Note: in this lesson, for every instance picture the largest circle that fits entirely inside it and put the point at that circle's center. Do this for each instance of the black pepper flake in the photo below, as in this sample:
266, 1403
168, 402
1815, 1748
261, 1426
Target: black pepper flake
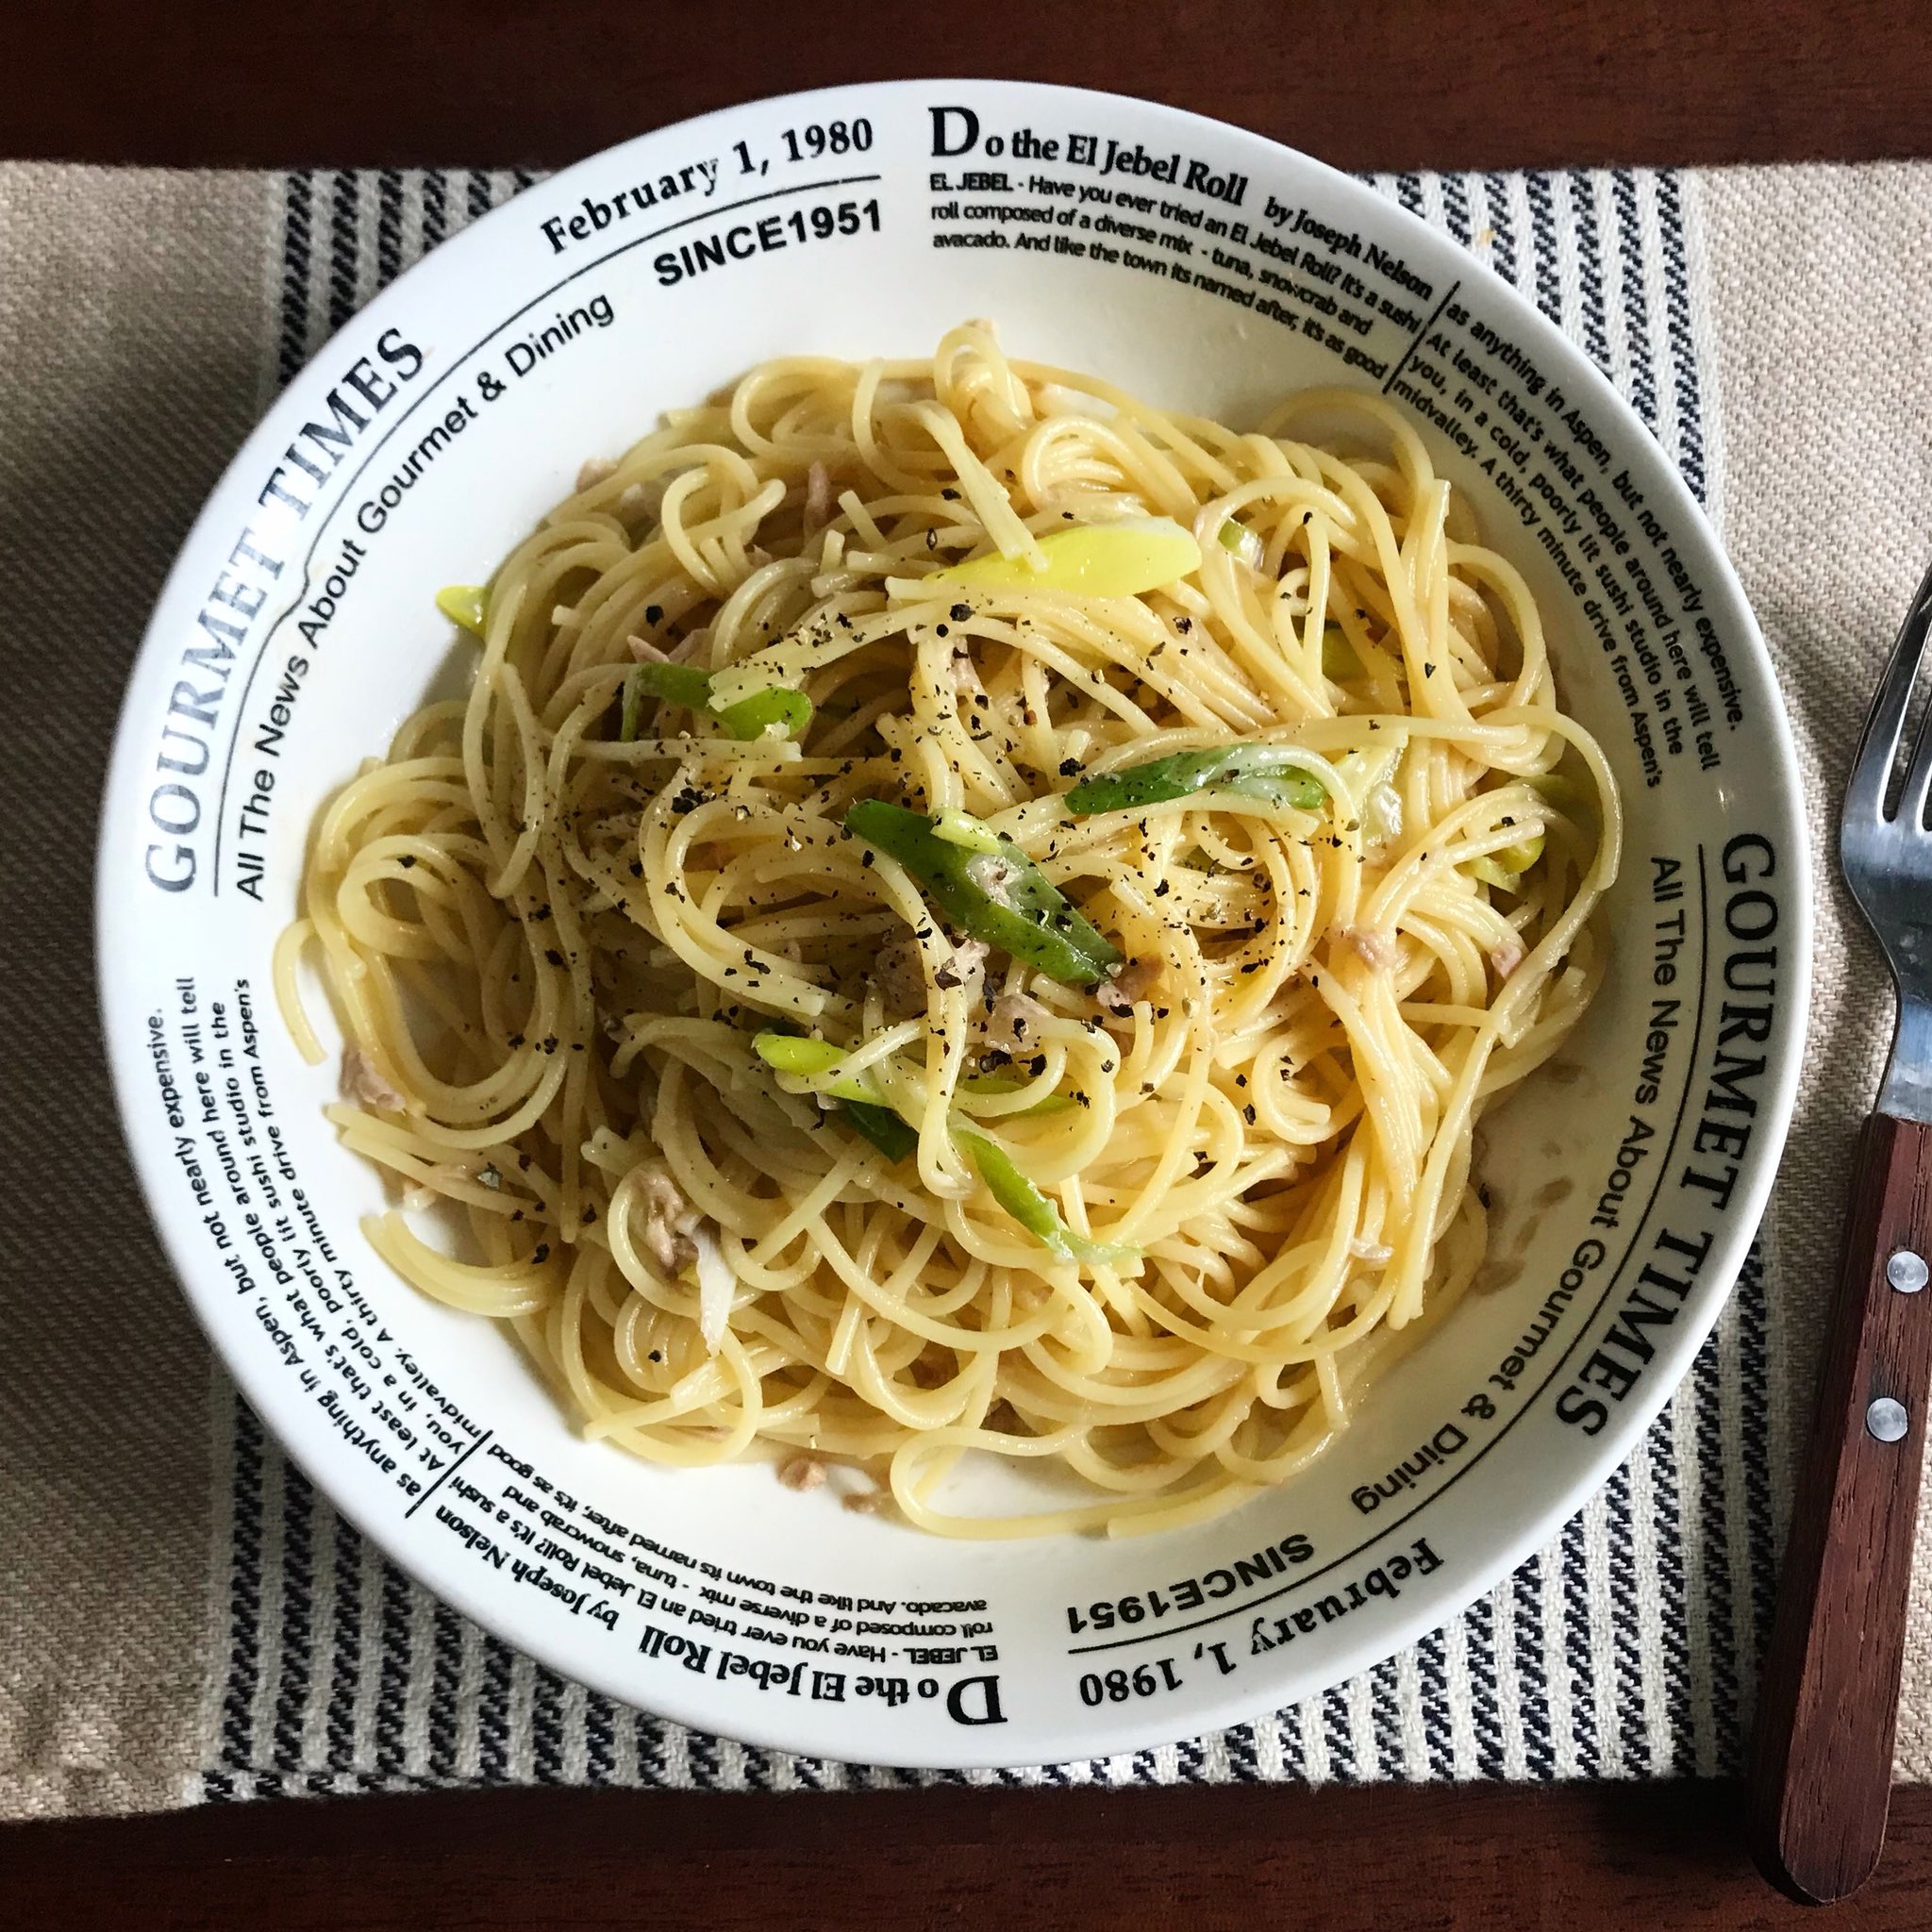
961, 612
950, 495
1429, 670
551, 954
406, 860
637, 867
656, 1355
1069, 766
541, 1252
1252, 966
1248, 1113
1161, 891
1038, 1065
516, 1039
1184, 625
940, 630
654, 613
549, 1042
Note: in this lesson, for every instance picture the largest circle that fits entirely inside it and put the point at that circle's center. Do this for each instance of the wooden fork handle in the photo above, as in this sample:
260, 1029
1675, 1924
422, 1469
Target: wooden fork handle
1820, 1772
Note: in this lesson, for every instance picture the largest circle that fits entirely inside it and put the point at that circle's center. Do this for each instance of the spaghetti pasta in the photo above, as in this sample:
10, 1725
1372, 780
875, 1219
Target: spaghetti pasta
966, 913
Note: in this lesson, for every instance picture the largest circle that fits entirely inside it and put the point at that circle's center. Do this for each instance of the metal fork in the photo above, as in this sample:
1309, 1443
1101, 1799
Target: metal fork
1820, 1773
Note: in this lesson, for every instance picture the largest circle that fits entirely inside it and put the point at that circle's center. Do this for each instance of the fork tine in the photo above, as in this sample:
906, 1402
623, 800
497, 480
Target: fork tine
1878, 746
1911, 801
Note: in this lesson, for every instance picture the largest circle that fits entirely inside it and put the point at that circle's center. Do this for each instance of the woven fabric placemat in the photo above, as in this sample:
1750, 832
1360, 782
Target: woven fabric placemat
182, 1617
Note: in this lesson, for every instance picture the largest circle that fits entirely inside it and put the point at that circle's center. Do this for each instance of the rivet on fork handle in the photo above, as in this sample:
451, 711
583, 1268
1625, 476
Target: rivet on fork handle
1887, 1420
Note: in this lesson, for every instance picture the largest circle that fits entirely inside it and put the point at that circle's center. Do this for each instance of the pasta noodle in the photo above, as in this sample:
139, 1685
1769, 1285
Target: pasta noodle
1108, 1105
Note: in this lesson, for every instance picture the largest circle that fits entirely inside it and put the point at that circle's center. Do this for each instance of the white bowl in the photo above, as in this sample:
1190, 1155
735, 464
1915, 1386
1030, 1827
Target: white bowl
291, 640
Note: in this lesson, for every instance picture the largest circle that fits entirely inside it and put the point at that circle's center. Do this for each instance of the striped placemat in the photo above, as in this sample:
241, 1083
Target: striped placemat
195, 1621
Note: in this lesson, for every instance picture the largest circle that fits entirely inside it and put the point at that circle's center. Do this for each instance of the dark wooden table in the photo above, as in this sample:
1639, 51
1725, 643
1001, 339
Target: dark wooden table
1450, 83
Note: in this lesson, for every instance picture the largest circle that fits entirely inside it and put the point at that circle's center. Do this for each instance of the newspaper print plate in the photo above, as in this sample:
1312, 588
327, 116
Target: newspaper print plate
1193, 262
